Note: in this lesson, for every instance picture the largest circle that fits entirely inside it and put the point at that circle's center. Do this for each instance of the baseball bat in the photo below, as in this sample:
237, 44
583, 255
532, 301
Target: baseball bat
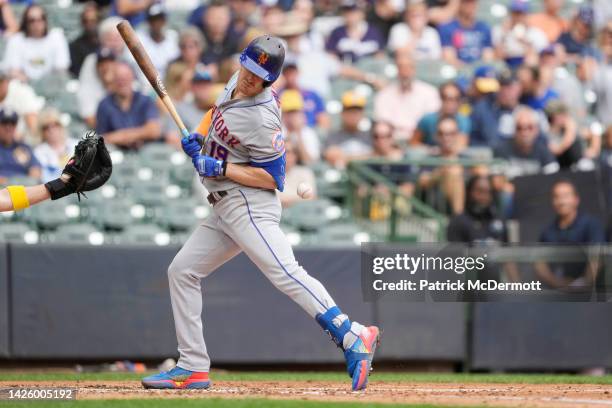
148, 69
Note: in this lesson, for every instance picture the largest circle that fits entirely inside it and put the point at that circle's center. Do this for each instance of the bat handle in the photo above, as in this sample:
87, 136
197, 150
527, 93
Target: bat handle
184, 132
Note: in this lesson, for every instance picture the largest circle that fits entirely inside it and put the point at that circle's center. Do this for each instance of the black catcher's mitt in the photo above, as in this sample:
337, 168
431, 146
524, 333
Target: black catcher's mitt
88, 169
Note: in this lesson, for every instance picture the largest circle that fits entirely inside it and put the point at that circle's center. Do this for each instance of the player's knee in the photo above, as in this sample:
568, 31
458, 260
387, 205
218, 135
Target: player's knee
177, 271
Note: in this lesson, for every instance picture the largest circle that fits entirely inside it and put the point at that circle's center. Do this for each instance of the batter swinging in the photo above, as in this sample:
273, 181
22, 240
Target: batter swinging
241, 164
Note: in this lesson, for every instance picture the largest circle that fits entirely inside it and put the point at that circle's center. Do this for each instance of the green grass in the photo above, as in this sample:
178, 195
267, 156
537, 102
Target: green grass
209, 403
328, 376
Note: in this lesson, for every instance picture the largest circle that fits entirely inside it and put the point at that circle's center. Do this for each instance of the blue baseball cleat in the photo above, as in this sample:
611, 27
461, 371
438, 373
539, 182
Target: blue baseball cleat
359, 356
177, 378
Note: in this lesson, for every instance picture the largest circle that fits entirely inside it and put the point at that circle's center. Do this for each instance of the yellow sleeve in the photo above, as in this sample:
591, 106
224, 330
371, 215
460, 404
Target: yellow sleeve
205, 123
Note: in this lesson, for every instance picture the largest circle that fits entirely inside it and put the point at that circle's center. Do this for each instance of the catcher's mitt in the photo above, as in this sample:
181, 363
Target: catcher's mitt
88, 169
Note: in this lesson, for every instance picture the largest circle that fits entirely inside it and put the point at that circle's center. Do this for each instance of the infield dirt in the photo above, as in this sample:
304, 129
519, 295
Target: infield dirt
472, 394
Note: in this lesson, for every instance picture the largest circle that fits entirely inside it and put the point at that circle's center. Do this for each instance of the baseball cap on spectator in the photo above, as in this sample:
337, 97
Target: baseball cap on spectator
353, 100
201, 75
8, 116
507, 77
290, 63
291, 100
105, 54
519, 6
350, 5
485, 79
156, 10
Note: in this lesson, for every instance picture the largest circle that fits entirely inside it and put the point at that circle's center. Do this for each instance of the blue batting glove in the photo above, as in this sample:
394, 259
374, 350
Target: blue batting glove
207, 166
192, 144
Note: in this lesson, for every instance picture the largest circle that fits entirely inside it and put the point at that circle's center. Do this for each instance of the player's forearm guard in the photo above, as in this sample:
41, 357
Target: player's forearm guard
19, 197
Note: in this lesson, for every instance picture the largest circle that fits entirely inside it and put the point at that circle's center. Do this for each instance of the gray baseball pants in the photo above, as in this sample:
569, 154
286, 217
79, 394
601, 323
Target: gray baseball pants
247, 219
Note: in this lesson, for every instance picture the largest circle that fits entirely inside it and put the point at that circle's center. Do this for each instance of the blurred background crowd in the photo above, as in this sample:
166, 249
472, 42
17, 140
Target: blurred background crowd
472, 92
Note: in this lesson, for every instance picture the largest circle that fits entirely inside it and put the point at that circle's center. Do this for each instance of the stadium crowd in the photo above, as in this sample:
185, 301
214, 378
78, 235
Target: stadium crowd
534, 90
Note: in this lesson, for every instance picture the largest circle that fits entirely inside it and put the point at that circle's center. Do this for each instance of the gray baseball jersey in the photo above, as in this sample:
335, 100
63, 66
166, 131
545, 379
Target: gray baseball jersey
243, 131
246, 219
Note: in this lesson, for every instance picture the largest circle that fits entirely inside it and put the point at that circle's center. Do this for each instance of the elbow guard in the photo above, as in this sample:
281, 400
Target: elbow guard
276, 168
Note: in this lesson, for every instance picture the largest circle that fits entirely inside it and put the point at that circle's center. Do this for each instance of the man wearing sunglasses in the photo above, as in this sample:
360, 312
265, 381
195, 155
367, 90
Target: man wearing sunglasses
16, 158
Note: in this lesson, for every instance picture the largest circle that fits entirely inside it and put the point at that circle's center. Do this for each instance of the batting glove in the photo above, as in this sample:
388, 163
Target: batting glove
208, 166
192, 144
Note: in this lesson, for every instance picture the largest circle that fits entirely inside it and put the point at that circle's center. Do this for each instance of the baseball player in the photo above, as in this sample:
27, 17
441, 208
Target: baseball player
89, 168
242, 163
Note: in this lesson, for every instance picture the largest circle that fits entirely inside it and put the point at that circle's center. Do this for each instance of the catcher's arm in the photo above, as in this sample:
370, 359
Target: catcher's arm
14, 198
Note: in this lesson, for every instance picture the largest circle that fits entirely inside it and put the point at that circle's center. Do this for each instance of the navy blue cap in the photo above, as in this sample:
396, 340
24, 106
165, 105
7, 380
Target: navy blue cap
8, 116
156, 10
201, 75
586, 14
519, 6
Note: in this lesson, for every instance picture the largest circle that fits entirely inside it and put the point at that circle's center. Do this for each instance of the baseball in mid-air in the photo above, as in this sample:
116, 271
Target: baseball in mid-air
304, 190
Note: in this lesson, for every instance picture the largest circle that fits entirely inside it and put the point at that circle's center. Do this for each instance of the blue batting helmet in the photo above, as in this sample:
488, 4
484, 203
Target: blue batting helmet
264, 57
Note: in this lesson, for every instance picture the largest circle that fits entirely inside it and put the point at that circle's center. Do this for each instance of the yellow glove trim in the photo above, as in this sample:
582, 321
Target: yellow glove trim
18, 197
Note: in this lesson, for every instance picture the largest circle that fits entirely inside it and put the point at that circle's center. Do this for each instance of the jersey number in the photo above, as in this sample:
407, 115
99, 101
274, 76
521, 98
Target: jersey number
218, 152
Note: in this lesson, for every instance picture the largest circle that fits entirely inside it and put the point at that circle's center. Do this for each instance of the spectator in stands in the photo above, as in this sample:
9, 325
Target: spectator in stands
313, 39
383, 143
515, 40
127, 118
480, 221
295, 174
527, 153
191, 45
93, 89
404, 103
17, 96
483, 85
88, 42
426, 131
317, 69
36, 50
441, 12
221, 40
134, 11
570, 226
536, 91
16, 158
465, 39
356, 38
576, 41
550, 20
57, 147
493, 116
349, 142
314, 106
194, 105
570, 86
563, 139
160, 42
245, 14
446, 180
415, 34
305, 140
599, 77
8, 23
178, 81
383, 15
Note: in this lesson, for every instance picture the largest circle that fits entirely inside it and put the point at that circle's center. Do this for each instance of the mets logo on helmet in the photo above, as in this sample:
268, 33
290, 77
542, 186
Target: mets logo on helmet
262, 59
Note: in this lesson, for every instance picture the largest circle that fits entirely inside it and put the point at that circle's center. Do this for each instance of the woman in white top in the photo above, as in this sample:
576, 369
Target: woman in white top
56, 149
36, 50
415, 34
